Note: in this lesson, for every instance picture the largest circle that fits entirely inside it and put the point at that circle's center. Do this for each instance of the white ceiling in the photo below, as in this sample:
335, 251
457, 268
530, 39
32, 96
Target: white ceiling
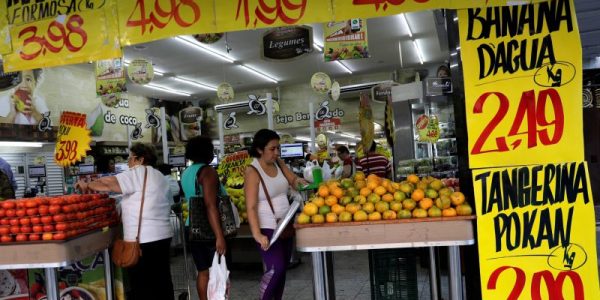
176, 58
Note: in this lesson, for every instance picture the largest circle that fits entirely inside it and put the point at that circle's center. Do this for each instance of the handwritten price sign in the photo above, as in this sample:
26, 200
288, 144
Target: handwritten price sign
73, 139
148, 20
75, 38
536, 233
523, 91
250, 14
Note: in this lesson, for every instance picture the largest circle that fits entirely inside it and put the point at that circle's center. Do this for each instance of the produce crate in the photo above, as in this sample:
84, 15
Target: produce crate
393, 274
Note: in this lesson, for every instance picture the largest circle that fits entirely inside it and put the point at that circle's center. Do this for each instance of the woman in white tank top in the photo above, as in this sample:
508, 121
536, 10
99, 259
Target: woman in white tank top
263, 221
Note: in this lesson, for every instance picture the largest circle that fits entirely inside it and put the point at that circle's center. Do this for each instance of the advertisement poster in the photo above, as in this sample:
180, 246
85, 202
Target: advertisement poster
428, 128
110, 77
73, 140
346, 40
536, 232
81, 280
184, 120
523, 84
140, 71
14, 285
190, 119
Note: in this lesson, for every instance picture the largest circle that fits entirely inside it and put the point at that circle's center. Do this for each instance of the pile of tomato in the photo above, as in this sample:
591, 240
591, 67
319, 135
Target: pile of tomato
55, 218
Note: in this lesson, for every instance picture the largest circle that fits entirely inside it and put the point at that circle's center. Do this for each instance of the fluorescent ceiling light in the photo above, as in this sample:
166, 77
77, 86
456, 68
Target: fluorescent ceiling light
168, 90
195, 83
405, 22
453, 66
204, 49
303, 138
418, 51
453, 53
259, 73
21, 144
455, 19
319, 47
343, 66
349, 136
329, 131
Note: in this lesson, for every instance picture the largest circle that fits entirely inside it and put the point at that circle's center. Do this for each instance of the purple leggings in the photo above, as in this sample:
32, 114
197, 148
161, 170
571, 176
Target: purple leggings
275, 261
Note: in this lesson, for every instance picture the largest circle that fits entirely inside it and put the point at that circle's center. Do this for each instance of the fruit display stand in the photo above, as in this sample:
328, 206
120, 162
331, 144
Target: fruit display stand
50, 255
318, 239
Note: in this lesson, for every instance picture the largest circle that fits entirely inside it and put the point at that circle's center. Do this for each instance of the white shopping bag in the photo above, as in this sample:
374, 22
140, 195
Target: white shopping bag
218, 279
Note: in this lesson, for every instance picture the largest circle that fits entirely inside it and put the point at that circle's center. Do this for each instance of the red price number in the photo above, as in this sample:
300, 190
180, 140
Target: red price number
533, 111
554, 285
67, 151
377, 3
71, 35
161, 16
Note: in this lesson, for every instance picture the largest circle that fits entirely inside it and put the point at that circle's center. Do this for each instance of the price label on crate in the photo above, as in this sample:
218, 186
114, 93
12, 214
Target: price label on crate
65, 39
73, 139
148, 20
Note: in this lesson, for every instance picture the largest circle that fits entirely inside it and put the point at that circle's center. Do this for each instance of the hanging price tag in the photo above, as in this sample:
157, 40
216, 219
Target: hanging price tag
142, 21
73, 139
66, 39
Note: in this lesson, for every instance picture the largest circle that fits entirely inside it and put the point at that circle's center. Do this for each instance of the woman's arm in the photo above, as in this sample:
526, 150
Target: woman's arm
103, 184
210, 187
251, 183
292, 179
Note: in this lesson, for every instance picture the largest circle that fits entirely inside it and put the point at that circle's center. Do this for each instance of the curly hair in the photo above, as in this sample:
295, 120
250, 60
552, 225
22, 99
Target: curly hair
200, 149
146, 151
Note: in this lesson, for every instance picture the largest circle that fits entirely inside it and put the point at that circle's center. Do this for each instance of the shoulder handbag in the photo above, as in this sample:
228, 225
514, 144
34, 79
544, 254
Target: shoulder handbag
200, 229
125, 253
289, 231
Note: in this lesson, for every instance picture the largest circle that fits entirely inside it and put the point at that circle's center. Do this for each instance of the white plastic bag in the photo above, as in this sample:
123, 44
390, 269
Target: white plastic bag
326, 171
218, 279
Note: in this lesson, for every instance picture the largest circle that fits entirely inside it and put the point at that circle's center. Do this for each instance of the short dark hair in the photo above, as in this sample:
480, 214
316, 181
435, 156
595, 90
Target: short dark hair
260, 141
343, 149
373, 147
200, 149
146, 151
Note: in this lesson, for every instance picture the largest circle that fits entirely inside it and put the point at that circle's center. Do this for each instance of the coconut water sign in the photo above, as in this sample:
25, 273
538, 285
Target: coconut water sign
323, 115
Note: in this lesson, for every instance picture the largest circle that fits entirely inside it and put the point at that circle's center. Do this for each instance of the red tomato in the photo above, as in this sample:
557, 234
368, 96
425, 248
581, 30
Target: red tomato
2, 212
34, 237
21, 238
56, 201
6, 239
31, 204
61, 226
72, 216
11, 213
8, 204
67, 208
24, 221
81, 206
25, 229
59, 236
72, 233
21, 212
4, 222
35, 220
15, 229
43, 210
48, 228
20, 204
54, 209
46, 219
13, 222
36, 228
4, 230
31, 211
59, 218
47, 236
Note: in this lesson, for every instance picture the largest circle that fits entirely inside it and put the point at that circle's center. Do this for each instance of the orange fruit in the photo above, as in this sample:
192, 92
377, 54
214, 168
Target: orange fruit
331, 218
359, 184
338, 192
457, 198
319, 201
359, 175
382, 206
365, 191
417, 195
426, 203
317, 219
380, 190
338, 209
360, 215
323, 191
373, 177
372, 184
310, 209
387, 197
412, 178
449, 212
352, 208
331, 200
375, 216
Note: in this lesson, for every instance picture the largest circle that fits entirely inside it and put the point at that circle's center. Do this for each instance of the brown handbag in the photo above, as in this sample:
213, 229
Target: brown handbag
126, 254
289, 231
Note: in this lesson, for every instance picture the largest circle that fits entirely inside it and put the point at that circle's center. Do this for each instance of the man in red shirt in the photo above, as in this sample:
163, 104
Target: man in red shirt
375, 163
348, 165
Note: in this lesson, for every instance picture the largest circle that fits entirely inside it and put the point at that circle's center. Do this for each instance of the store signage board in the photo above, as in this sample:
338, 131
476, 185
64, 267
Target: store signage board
73, 139
345, 40
522, 89
438, 86
251, 14
283, 43
66, 39
536, 232
177, 160
143, 21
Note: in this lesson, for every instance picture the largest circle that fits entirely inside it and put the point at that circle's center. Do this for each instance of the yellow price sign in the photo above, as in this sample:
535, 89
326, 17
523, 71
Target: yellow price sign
5, 46
73, 139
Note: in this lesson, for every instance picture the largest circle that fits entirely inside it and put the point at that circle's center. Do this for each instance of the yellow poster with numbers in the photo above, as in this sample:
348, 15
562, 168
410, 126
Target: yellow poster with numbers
536, 232
523, 85
143, 21
73, 139
251, 14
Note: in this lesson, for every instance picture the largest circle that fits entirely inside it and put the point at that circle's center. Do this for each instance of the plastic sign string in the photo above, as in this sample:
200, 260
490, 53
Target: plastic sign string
73, 139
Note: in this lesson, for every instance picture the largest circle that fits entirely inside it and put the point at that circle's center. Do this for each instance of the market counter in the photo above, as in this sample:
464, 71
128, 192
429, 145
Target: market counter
404, 233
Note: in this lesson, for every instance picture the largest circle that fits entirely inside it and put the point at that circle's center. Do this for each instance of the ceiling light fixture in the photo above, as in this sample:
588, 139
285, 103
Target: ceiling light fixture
259, 73
303, 138
21, 144
204, 49
168, 90
195, 83
455, 19
419, 53
317, 46
405, 22
349, 136
343, 66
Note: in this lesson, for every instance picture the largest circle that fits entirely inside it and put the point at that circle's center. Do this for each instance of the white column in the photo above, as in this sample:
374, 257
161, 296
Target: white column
311, 113
221, 136
270, 110
163, 129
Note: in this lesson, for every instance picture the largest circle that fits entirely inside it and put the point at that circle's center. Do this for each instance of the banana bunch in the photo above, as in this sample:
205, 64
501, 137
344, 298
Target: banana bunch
235, 180
185, 211
239, 200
